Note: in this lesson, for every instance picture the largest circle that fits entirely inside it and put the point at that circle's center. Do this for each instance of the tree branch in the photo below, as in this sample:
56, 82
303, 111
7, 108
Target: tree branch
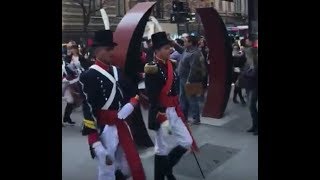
89, 8
81, 4
102, 3
78, 1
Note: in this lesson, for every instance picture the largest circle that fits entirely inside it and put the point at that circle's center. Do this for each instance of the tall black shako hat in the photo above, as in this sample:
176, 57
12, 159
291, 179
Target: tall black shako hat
159, 39
103, 38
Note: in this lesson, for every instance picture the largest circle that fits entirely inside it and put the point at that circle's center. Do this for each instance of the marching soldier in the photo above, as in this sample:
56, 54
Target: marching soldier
165, 115
107, 103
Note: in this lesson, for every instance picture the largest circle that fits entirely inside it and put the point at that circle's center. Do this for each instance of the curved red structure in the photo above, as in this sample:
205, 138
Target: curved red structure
128, 35
220, 68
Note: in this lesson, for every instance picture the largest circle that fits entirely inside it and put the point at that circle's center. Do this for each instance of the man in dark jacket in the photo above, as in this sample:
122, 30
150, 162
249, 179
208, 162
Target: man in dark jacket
239, 61
251, 75
189, 71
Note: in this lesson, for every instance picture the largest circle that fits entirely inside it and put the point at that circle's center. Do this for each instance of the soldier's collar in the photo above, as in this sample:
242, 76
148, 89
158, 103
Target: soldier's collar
160, 60
102, 65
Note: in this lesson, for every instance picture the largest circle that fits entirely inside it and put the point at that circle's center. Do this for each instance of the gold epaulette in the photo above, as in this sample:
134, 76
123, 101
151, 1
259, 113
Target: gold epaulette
150, 68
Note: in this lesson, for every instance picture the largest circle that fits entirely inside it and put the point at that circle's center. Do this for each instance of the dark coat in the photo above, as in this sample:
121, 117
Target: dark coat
238, 61
154, 84
96, 88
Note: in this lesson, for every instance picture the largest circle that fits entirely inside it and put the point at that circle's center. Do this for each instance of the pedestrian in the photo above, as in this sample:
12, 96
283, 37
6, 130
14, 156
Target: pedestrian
165, 115
205, 52
70, 91
64, 51
191, 71
69, 45
106, 106
176, 55
246, 48
76, 59
64, 73
239, 61
252, 76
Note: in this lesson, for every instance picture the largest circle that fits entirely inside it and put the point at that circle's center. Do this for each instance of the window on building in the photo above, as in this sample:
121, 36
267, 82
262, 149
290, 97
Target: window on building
229, 6
245, 6
220, 5
159, 9
239, 6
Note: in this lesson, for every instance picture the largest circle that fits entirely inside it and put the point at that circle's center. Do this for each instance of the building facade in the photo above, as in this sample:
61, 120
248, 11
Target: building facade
232, 13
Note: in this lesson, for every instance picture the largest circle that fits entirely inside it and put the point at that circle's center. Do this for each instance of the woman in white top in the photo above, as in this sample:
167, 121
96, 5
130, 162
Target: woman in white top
77, 60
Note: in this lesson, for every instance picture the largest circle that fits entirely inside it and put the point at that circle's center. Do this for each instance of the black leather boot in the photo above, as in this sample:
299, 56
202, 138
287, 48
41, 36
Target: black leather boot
251, 129
119, 175
254, 127
235, 100
160, 163
235, 93
67, 113
243, 102
176, 154
174, 157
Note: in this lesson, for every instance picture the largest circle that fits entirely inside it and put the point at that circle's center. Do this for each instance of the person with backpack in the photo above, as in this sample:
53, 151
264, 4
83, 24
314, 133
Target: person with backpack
191, 71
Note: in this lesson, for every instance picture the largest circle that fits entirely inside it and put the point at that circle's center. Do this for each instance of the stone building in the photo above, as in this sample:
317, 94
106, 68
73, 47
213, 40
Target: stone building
72, 20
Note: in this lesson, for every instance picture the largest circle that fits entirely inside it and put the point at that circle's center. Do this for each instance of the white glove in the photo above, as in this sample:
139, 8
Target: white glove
166, 128
125, 111
64, 80
101, 153
236, 69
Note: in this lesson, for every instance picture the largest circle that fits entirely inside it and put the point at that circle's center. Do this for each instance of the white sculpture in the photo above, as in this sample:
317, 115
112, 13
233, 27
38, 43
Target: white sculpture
105, 19
152, 27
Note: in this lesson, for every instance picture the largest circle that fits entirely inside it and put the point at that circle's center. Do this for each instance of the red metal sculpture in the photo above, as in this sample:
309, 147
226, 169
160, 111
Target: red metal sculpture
128, 35
220, 68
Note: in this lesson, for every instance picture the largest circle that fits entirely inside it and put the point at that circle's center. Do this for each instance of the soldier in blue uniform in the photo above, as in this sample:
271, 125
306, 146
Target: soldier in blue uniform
108, 101
165, 114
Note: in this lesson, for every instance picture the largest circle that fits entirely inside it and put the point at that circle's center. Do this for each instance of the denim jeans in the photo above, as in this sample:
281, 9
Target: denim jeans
189, 102
253, 99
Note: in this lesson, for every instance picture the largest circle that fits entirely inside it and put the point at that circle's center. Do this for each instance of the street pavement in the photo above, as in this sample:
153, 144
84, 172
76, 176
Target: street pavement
230, 132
